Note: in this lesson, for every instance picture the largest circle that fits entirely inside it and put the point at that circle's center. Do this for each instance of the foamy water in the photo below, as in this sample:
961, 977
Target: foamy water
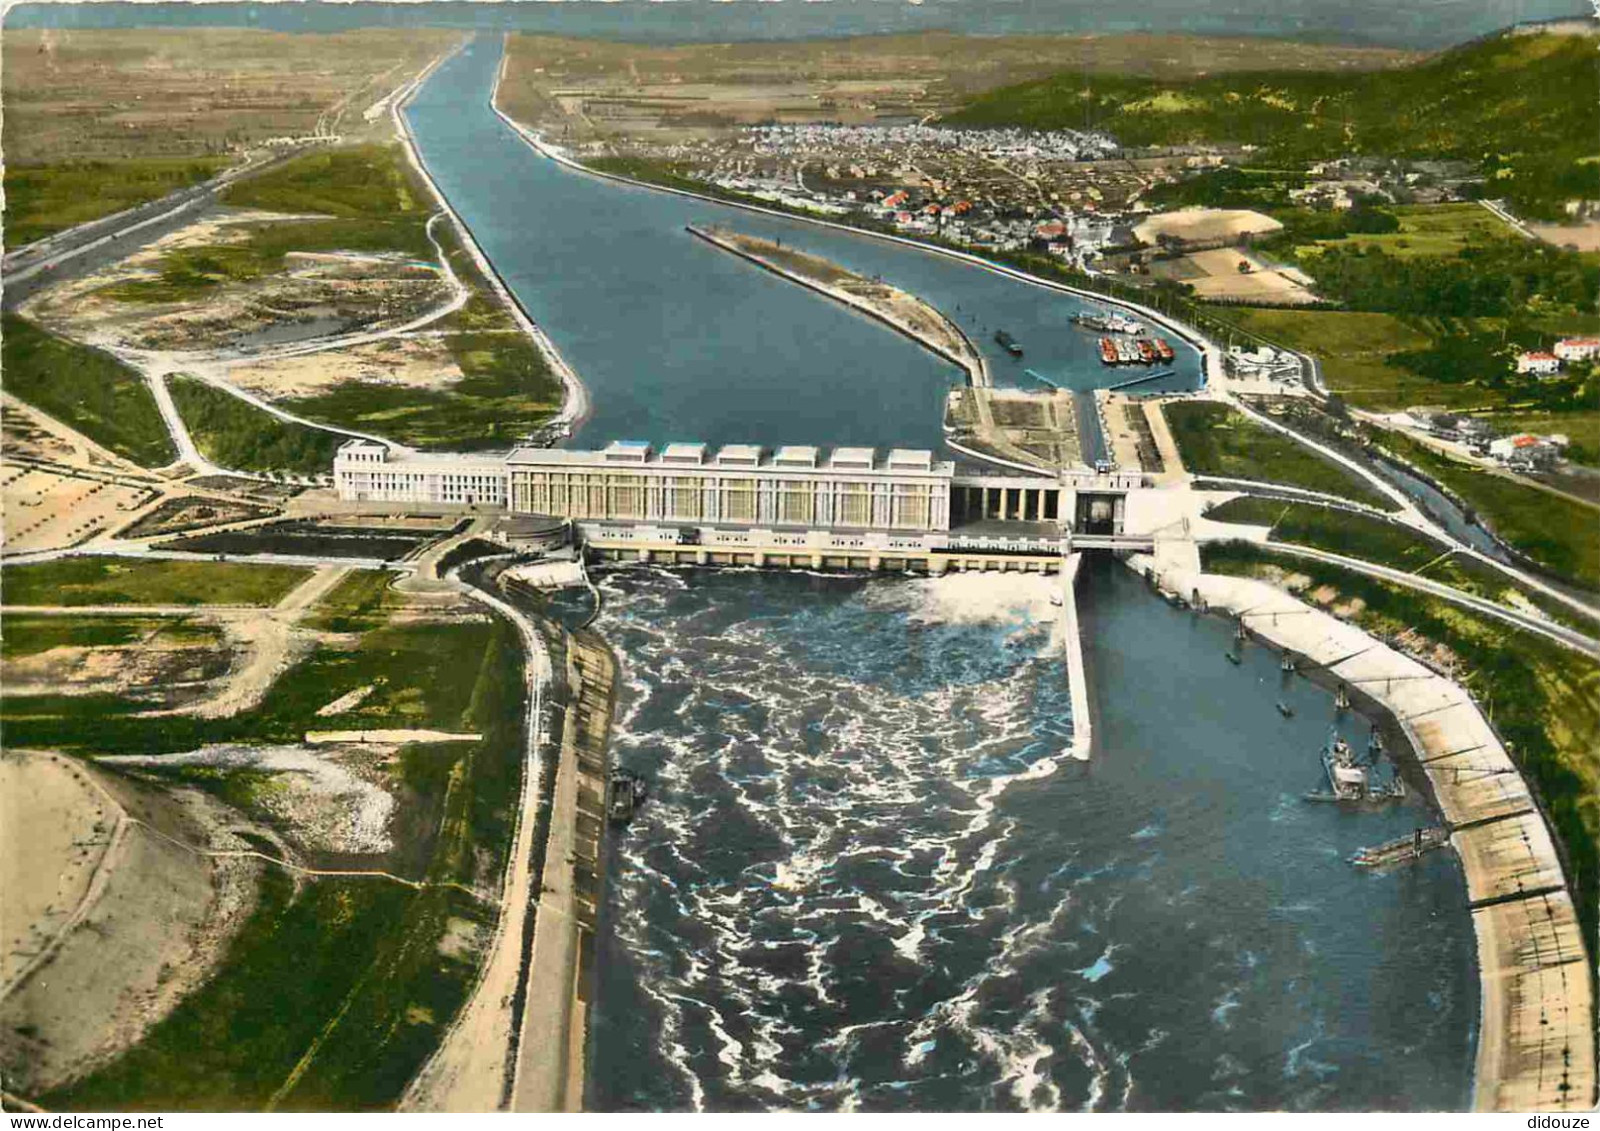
869, 878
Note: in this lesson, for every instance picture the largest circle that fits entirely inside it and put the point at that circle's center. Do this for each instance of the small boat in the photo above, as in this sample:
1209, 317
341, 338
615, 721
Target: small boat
1108, 351
1341, 699
1008, 343
1163, 349
626, 792
1233, 659
1147, 350
1287, 663
1285, 710
1350, 781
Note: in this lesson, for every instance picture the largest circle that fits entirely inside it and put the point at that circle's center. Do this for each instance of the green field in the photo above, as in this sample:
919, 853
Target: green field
147, 581
44, 199
236, 434
1338, 532
1554, 530
335, 991
1214, 439
506, 391
1353, 349
1546, 698
26, 635
365, 195
362, 600
1433, 229
85, 389
1390, 544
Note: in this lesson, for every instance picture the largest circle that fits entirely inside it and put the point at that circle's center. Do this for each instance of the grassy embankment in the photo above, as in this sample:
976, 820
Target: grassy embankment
1216, 440
1388, 544
335, 990
44, 199
236, 434
85, 389
1544, 699
22, 634
1554, 530
362, 600
148, 581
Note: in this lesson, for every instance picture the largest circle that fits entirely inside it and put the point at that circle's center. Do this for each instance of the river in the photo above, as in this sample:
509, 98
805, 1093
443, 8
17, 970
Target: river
866, 877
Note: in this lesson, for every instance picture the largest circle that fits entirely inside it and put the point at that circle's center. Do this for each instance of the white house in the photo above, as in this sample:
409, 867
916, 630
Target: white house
1577, 349
1538, 363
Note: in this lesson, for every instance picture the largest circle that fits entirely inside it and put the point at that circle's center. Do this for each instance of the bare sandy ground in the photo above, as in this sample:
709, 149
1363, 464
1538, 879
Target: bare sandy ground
1197, 224
1584, 237
326, 292
333, 799
415, 361
1221, 278
46, 510
122, 923
156, 665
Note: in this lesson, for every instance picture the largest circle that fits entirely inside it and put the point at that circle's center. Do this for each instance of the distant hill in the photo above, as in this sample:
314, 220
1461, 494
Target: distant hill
1524, 103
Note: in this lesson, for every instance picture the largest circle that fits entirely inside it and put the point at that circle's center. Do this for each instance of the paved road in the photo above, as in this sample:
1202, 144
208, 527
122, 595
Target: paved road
1549, 629
88, 247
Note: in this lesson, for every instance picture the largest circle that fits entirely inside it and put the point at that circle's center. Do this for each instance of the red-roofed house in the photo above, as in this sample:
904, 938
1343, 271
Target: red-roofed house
1577, 349
1539, 363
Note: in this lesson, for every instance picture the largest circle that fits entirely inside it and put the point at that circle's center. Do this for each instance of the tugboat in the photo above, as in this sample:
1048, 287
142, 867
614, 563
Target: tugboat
1163, 349
1008, 343
626, 792
1108, 351
1349, 781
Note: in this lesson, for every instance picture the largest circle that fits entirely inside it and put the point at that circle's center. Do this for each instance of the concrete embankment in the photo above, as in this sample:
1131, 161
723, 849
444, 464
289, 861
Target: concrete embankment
1536, 1044
1077, 679
550, 1068
969, 360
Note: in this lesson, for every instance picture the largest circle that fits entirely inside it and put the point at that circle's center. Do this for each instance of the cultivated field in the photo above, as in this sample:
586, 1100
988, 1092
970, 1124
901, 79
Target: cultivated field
1215, 274
46, 509
102, 95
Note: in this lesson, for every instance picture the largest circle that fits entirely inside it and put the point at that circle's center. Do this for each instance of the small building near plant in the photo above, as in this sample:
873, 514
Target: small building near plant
1538, 363
1577, 349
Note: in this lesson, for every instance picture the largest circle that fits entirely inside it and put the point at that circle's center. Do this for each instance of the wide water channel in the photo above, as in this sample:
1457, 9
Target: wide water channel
678, 340
866, 877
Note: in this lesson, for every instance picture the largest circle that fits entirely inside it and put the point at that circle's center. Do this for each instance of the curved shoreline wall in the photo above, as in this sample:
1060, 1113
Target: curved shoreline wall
1536, 1046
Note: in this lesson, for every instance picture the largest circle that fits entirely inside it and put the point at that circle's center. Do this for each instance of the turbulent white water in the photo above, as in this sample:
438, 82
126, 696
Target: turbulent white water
868, 877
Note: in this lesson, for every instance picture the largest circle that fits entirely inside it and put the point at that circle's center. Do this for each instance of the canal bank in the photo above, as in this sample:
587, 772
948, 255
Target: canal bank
575, 401
1536, 1046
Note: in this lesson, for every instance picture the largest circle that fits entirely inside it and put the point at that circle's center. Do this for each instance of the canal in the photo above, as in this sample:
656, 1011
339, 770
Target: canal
678, 340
